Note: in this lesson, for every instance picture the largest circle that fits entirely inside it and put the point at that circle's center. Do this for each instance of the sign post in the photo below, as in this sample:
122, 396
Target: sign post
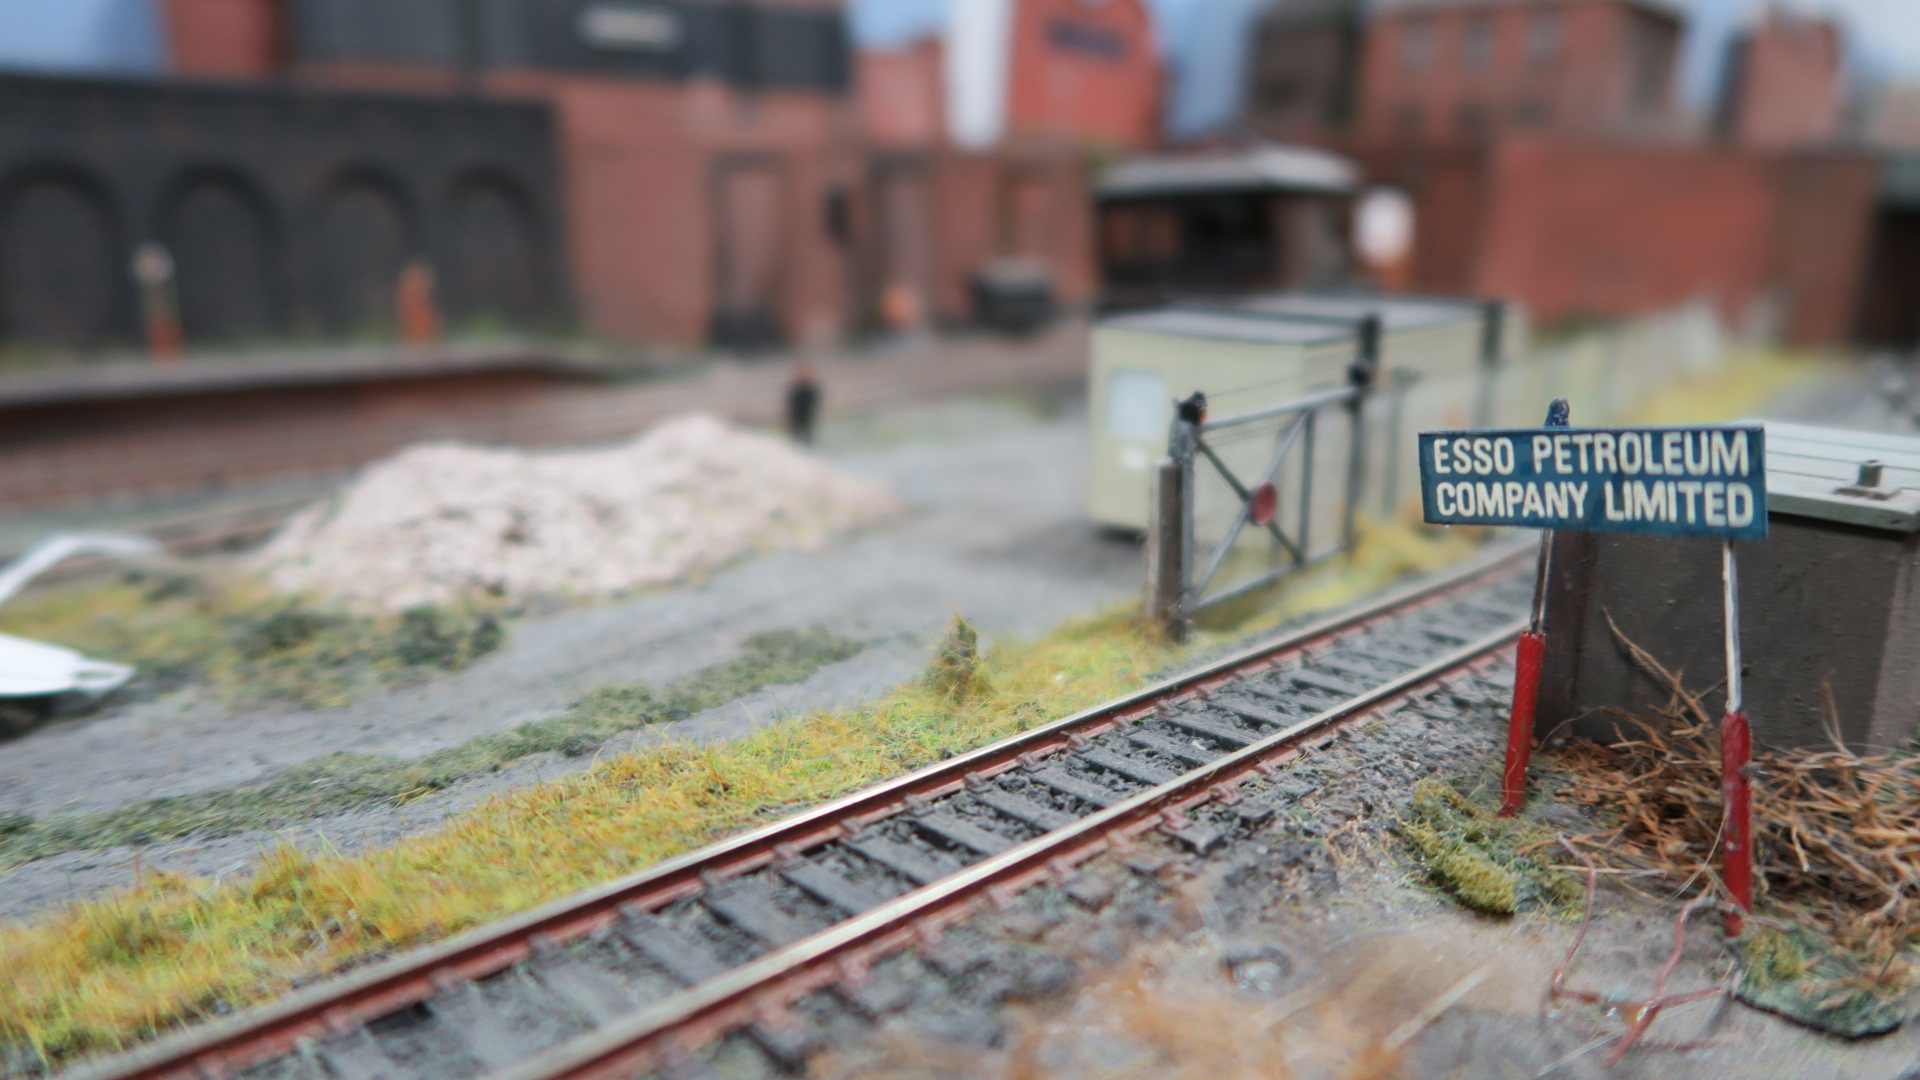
1531, 653
1736, 749
1678, 482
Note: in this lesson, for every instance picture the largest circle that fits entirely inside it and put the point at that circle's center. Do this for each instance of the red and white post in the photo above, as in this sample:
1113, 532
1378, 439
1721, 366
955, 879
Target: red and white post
1736, 750
1526, 669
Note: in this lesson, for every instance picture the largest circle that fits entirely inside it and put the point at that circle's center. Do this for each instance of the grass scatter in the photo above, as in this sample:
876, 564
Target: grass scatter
246, 645
342, 782
111, 972
1478, 857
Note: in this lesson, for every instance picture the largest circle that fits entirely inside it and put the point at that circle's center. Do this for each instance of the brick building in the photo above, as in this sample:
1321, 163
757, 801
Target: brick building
1084, 71
723, 181
1471, 68
286, 211
1302, 67
1784, 83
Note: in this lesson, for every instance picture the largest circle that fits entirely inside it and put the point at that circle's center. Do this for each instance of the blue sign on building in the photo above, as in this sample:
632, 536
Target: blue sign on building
1701, 481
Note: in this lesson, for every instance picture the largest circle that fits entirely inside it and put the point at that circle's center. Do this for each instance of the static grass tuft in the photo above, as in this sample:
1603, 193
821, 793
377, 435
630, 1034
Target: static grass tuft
1477, 857
108, 973
955, 671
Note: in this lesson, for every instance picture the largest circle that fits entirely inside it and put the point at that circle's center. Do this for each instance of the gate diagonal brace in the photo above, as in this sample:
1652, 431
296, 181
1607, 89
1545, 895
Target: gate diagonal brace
1246, 501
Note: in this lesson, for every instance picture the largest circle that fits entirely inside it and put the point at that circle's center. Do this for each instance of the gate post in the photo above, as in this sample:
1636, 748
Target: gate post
1165, 548
1170, 521
1361, 374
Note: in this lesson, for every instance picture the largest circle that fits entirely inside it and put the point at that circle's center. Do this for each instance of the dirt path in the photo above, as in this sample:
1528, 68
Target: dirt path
995, 533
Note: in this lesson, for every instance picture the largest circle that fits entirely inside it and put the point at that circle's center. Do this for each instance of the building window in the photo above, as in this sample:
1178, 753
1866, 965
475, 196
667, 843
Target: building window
1408, 119
1416, 43
1533, 114
1543, 40
1476, 43
1470, 118
1652, 47
1280, 93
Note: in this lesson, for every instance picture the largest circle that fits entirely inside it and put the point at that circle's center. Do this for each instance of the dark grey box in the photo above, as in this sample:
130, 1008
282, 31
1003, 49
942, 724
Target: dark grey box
1829, 604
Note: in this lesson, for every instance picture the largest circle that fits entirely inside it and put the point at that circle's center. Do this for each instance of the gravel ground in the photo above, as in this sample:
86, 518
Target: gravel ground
995, 533
1156, 962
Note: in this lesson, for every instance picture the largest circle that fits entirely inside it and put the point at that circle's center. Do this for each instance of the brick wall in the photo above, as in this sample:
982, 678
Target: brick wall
1470, 70
1784, 88
1583, 228
1084, 71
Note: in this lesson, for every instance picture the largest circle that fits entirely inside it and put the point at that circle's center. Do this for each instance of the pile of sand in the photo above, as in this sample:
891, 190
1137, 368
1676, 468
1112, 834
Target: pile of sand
438, 524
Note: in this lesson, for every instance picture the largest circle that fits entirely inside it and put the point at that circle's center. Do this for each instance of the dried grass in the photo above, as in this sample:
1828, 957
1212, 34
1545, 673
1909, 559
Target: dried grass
1836, 840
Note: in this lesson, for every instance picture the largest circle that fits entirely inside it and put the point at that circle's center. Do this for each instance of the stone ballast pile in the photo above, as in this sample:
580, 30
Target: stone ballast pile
447, 523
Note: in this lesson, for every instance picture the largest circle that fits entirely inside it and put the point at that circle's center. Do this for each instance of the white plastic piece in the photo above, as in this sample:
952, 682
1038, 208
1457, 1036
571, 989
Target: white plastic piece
61, 546
35, 669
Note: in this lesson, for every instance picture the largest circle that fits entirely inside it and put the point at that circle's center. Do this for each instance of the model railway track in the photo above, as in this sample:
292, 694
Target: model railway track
629, 977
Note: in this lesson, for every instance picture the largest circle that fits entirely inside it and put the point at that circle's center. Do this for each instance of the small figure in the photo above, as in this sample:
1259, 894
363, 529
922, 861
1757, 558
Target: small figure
159, 300
419, 313
803, 403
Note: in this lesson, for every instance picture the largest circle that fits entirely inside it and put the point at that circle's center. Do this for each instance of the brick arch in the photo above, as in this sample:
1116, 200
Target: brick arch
64, 254
369, 229
496, 259
229, 249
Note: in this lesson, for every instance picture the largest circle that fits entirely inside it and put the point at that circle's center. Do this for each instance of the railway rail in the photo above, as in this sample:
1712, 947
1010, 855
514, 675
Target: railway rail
631, 977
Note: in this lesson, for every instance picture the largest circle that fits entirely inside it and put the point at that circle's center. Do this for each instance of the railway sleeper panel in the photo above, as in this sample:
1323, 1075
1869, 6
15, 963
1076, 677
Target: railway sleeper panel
746, 908
690, 961
1144, 772
952, 829
830, 888
1024, 810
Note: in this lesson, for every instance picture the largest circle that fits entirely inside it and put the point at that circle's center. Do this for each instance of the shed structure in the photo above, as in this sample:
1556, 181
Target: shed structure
1829, 605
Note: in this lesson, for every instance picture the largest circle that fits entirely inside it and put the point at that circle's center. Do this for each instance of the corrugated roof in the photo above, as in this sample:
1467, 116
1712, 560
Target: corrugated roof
1266, 168
1814, 472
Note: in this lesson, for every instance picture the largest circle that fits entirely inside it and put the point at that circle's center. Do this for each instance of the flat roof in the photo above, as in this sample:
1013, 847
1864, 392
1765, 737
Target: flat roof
1814, 472
1396, 312
1225, 325
1265, 168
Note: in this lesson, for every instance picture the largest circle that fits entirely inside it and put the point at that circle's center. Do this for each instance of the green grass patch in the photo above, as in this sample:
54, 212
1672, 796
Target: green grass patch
1477, 857
111, 972
248, 646
338, 783
1800, 974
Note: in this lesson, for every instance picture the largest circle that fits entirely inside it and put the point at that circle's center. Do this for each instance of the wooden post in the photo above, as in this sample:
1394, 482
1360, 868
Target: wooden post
1166, 544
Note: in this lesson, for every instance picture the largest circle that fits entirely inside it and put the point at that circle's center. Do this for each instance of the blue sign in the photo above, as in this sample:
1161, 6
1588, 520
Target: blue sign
1704, 481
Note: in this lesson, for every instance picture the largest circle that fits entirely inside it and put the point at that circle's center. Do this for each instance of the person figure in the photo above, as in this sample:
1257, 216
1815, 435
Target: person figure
419, 312
803, 403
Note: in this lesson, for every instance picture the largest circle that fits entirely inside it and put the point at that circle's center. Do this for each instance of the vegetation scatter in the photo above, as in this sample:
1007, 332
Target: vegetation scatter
342, 782
247, 646
111, 972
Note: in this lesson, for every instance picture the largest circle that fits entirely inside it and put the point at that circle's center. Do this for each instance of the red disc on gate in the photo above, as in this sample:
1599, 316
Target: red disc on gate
1261, 505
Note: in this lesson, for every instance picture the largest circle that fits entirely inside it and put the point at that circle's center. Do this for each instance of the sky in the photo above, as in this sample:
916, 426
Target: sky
1202, 38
